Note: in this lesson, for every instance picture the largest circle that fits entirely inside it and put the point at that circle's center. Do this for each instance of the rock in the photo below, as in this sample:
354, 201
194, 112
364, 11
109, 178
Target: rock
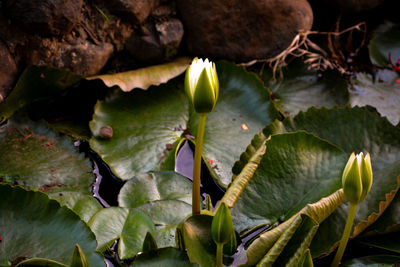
242, 30
46, 17
135, 11
8, 71
156, 42
81, 57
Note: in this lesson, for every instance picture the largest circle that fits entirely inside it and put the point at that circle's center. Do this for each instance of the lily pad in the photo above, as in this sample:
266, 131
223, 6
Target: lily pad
242, 110
34, 84
300, 164
130, 226
144, 124
145, 77
83, 205
352, 129
163, 257
386, 40
34, 156
155, 186
32, 225
299, 88
383, 93
166, 215
373, 261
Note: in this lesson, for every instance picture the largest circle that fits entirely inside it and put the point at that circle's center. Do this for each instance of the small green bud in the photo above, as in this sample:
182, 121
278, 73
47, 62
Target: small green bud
357, 178
202, 85
222, 226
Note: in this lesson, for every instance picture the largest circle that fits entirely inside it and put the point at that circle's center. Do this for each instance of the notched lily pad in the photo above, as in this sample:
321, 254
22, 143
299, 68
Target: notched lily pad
242, 110
34, 156
299, 88
381, 92
143, 124
163, 257
130, 226
166, 185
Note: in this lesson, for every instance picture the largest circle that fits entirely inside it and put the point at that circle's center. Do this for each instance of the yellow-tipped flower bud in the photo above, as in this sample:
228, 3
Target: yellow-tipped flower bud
357, 178
222, 225
202, 85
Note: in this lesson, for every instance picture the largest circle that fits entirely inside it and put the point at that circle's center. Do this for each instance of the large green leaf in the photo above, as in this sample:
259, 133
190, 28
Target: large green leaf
373, 261
242, 110
34, 156
299, 88
130, 226
383, 93
386, 40
32, 225
304, 167
163, 257
144, 124
145, 77
352, 129
166, 215
155, 186
37, 83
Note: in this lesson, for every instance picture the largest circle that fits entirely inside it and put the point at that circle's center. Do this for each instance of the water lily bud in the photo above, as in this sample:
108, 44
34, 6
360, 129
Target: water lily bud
222, 225
357, 178
202, 85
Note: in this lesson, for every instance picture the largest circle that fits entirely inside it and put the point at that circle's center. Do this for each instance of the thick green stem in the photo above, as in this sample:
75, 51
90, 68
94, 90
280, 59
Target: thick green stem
219, 257
345, 236
197, 164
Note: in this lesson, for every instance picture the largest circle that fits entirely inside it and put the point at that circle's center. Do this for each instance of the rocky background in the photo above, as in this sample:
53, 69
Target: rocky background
93, 36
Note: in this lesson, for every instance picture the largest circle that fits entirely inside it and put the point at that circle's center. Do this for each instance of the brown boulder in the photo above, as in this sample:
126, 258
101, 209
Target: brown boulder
46, 17
135, 11
156, 42
80, 56
8, 71
242, 30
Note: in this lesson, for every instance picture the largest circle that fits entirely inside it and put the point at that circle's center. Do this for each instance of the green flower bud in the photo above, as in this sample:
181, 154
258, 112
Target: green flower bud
222, 226
201, 85
357, 178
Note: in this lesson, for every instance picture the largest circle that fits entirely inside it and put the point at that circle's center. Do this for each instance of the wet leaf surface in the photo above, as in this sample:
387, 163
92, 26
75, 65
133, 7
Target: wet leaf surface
34, 156
32, 225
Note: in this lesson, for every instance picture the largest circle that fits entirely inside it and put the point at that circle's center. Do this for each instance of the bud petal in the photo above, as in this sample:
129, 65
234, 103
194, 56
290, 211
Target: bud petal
366, 175
351, 181
222, 226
